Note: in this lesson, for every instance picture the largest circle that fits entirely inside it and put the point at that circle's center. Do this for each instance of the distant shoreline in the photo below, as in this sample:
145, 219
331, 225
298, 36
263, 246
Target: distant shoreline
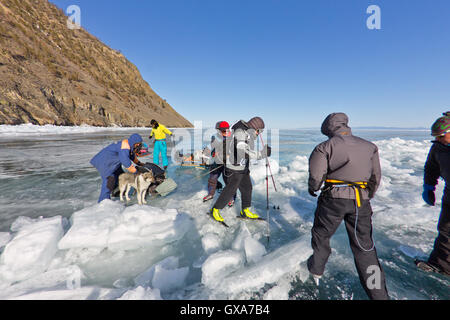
372, 129
24, 129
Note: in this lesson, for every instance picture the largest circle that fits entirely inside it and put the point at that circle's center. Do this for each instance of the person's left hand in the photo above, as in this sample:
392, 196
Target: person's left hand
267, 151
428, 194
312, 193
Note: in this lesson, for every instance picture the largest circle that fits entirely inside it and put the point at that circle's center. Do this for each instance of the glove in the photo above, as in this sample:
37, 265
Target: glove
267, 151
312, 193
428, 194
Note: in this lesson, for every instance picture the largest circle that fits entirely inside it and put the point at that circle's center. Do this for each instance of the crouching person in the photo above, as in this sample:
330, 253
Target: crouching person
350, 168
109, 162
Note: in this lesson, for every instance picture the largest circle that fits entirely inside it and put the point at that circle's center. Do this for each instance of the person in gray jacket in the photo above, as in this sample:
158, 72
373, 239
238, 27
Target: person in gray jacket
237, 174
349, 169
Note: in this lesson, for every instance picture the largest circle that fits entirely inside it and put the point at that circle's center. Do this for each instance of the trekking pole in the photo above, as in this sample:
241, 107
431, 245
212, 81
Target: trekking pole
268, 168
268, 164
267, 198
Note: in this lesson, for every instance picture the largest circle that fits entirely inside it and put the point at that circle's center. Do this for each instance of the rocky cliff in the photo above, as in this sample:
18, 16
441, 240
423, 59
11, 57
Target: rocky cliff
50, 74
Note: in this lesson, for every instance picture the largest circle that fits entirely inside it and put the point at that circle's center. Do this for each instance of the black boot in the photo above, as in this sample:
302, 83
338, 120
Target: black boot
429, 267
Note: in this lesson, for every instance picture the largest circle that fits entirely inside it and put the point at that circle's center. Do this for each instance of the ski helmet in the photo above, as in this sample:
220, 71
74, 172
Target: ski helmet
256, 123
222, 125
441, 126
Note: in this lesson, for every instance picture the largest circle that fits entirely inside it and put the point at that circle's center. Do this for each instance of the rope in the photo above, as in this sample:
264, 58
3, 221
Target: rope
356, 237
357, 205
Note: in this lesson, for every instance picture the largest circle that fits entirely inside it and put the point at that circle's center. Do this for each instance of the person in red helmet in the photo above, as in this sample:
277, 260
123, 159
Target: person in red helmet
219, 144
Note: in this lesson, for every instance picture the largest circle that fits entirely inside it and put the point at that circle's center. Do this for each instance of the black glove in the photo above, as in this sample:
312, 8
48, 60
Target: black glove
267, 151
312, 193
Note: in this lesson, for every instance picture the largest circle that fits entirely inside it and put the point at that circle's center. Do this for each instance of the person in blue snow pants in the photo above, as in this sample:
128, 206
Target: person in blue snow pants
110, 159
160, 147
159, 132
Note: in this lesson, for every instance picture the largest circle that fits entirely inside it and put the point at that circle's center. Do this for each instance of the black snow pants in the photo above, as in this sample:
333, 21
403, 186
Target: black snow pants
440, 256
235, 180
328, 216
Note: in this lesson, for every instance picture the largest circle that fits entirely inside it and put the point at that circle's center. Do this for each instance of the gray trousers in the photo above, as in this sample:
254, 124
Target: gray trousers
328, 216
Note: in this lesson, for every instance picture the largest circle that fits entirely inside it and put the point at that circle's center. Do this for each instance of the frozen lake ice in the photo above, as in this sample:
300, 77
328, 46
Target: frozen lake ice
56, 242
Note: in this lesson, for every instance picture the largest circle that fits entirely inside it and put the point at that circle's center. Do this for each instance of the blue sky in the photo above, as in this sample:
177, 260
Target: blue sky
291, 62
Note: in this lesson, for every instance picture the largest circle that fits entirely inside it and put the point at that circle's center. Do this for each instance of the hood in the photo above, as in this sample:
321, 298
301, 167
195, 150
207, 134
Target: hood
241, 124
133, 139
334, 124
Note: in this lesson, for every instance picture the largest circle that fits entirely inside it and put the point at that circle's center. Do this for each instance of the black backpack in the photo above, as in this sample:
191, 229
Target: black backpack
158, 172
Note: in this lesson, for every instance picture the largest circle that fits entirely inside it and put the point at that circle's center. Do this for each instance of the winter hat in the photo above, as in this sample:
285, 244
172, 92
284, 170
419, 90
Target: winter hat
256, 123
441, 126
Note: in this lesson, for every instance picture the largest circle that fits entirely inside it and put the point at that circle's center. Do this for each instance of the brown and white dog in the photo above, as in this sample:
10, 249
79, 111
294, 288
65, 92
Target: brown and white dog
140, 182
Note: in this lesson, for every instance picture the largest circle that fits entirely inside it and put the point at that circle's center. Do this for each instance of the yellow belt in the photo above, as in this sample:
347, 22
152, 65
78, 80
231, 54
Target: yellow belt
355, 185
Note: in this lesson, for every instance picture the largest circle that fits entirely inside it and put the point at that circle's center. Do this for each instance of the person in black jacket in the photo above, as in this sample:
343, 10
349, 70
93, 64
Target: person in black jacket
438, 165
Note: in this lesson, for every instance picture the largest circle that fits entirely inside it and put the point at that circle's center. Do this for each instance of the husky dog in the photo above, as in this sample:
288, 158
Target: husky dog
140, 182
